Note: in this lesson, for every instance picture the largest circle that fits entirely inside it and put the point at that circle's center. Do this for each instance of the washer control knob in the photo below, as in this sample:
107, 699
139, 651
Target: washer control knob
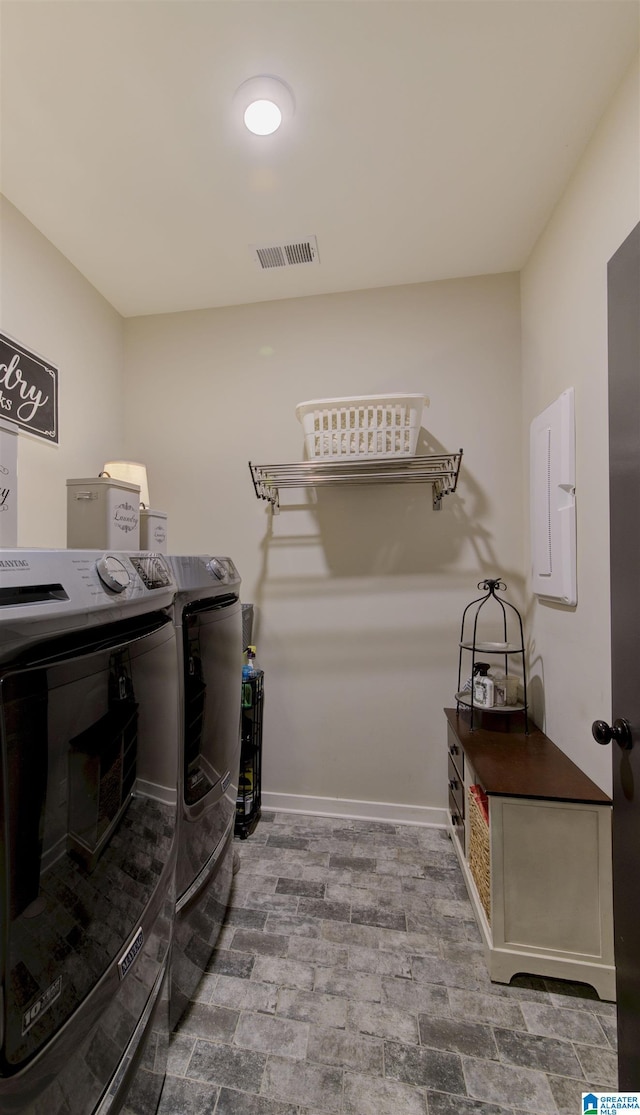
214, 566
113, 573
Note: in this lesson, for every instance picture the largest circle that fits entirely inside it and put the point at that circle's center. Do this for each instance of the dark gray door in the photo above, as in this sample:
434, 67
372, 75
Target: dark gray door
624, 462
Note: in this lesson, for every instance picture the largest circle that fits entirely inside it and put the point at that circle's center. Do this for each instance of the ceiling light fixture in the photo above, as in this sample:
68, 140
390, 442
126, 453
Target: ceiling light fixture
265, 102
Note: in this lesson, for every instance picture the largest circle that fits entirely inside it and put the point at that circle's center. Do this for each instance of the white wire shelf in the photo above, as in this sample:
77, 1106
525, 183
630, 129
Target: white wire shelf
439, 469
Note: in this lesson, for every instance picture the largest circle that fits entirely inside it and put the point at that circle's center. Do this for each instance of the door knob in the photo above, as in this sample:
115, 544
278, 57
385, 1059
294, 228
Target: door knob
620, 732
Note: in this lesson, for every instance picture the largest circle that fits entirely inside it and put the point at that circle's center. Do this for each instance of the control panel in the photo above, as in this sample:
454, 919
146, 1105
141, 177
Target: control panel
152, 570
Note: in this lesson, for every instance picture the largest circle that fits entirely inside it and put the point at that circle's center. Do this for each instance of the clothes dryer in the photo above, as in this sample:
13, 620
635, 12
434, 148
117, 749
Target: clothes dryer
89, 720
208, 620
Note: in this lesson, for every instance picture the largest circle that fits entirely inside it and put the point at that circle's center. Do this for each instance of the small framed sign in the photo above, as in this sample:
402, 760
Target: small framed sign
28, 390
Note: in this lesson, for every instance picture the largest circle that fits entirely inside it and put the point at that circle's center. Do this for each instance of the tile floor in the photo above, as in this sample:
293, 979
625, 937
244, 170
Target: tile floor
349, 979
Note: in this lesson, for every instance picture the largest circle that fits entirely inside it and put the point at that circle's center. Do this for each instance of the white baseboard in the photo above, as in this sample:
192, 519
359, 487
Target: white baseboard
355, 810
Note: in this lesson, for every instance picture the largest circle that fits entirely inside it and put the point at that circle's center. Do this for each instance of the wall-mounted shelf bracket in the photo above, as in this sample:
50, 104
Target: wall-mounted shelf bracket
441, 470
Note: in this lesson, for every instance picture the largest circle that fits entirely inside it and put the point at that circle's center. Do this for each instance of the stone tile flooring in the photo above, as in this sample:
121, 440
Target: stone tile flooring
349, 979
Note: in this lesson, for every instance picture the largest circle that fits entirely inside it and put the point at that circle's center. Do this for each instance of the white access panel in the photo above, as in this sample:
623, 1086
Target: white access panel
553, 501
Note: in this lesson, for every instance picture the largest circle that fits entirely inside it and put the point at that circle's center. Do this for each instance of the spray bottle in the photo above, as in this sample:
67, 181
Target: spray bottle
249, 670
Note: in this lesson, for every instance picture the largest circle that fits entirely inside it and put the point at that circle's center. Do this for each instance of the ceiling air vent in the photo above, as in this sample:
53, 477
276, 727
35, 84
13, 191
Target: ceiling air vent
293, 254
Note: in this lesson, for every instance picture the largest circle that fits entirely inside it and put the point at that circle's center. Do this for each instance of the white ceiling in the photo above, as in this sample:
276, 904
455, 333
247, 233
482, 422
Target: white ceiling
431, 138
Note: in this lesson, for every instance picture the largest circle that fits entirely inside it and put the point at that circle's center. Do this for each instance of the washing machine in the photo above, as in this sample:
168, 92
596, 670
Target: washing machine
89, 723
208, 621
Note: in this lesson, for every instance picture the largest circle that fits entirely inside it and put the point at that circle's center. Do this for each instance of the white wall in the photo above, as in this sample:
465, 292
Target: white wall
564, 343
47, 305
361, 594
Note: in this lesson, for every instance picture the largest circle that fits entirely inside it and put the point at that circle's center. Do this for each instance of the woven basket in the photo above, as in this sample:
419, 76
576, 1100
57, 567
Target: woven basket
479, 853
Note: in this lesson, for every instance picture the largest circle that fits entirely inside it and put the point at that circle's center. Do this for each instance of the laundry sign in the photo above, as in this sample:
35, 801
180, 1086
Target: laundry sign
28, 390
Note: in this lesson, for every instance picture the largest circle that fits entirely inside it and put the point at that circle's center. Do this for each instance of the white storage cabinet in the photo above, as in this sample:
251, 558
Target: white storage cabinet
549, 838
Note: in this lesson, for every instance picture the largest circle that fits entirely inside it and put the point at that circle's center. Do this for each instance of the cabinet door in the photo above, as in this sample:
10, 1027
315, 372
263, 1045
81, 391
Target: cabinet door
551, 877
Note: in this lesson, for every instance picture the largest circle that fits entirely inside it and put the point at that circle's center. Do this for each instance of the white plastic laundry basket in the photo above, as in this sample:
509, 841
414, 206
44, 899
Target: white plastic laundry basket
367, 426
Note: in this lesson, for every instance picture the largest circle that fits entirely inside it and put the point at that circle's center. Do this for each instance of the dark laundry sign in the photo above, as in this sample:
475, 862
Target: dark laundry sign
28, 390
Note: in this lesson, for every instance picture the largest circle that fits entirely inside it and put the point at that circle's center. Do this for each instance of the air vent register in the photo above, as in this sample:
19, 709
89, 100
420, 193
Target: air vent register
293, 254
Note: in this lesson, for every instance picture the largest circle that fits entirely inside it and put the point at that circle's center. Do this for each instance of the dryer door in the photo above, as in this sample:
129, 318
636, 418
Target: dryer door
212, 643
